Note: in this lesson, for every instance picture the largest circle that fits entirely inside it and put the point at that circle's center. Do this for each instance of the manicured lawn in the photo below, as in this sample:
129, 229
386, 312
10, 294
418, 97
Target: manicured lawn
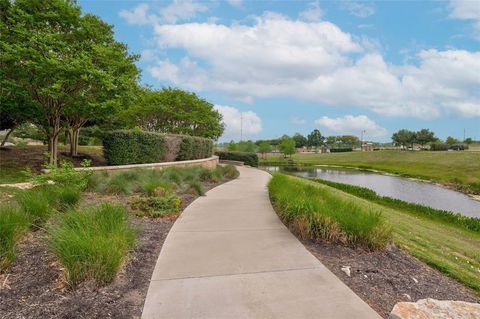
453, 250
459, 169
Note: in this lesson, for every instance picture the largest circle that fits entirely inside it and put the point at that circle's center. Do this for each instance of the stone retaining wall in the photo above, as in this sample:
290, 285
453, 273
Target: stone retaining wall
210, 162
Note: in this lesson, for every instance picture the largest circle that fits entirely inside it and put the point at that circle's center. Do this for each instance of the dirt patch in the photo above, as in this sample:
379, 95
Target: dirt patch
34, 286
34, 158
383, 278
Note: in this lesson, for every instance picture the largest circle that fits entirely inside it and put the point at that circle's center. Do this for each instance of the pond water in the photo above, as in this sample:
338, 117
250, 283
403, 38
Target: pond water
405, 189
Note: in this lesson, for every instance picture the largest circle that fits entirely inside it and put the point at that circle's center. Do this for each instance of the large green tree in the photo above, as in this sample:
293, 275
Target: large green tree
300, 140
404, 137
315, 139
62, 60
172, 110
425, 136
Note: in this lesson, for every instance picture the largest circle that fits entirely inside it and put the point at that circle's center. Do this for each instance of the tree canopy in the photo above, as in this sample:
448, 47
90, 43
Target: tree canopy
175, 111
315, 139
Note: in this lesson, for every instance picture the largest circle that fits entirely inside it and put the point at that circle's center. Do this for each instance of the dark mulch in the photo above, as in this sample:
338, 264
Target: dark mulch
35, 287
384, 278
34, 158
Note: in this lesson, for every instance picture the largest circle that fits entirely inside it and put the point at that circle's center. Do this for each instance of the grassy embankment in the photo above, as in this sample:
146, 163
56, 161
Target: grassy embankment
456, 169
450, 248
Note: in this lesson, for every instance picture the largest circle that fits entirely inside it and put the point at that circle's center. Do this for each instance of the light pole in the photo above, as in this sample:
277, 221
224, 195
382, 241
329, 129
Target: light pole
361, 139
241, 126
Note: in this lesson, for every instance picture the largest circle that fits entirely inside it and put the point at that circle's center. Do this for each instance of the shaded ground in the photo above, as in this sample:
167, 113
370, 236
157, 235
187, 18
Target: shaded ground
384, 278
13, 160
34, 287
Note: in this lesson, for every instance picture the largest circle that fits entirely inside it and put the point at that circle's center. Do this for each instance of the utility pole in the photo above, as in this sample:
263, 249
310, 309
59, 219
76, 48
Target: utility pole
241, 126
464, 134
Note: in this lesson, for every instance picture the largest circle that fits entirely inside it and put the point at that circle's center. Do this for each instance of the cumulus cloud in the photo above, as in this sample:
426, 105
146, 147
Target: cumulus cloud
351, 125
465, 10
313, 12
235, 3
178, 10
237, 122
317, 61
358, 9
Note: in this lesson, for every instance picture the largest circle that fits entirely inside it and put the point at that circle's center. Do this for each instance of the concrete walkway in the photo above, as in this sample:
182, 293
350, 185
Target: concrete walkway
229, 256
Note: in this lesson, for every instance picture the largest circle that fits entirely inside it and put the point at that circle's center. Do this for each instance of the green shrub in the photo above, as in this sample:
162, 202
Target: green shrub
37, 203
13, 225
228, 171
247, 158
157, 206
92, 244
197, 187
439, 147
193, 147
133, 147
319, 212
65, 175
340, 149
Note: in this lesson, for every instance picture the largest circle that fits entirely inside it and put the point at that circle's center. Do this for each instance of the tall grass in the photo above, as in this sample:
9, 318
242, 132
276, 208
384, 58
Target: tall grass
13, 224
92, 244
149, 182
314, 211
37, 203
470, 223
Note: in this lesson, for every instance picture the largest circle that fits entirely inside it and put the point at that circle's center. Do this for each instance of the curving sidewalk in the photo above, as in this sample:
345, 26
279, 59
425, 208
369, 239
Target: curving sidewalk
229, 256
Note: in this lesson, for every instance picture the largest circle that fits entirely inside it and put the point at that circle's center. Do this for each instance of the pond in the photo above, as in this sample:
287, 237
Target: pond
402, 188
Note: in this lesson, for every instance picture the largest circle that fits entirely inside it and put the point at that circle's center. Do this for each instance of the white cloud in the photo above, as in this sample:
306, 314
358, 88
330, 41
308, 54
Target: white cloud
236, 122
352, 125
235, 3
466, 10
178, 10
358, 9
313, 12
298, 120
316, 61
139, 15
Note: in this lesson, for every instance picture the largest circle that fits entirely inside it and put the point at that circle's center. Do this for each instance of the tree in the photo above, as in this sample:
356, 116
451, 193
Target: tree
61, 59
315, 139
451, 140
300, 140
287, 147
425, 136
348, 140
404, 137
468, 140
331, 140
264, 148
175, 111
232, 146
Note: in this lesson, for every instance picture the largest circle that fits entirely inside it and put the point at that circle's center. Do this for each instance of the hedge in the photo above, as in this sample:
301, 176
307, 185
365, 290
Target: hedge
439, 147
248, 158
341, 149
136, 147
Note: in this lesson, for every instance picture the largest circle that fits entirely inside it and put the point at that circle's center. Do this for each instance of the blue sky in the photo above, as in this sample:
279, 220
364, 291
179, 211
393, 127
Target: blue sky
292, 66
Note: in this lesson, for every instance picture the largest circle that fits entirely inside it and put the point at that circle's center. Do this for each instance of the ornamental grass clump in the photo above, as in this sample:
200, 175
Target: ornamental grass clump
92, 243
314, 211
37, 204
13, 225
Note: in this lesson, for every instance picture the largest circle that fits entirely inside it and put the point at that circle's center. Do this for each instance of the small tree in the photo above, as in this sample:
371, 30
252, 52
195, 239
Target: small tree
468, 141
232, 146
451, 140
287, 147
264, 148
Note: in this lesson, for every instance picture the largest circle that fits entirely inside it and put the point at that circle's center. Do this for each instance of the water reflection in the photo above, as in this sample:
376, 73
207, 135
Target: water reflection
393, 186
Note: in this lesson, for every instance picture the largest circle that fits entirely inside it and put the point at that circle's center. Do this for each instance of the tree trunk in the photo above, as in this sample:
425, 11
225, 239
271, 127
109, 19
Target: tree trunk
6, 136
53, 140
74, 138
71, 136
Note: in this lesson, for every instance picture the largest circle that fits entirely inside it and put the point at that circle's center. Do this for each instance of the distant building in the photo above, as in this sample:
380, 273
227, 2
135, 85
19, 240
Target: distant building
367, 147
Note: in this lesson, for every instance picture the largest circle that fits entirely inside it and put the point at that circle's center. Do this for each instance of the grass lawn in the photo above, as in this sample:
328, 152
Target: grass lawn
453, 250
458, 169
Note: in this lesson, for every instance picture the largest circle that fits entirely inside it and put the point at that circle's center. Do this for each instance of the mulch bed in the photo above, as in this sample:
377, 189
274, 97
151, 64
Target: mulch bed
384, 278
34, 158
34, 286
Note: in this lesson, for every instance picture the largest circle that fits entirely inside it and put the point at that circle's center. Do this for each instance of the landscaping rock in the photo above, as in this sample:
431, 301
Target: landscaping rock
435, 309
346, 269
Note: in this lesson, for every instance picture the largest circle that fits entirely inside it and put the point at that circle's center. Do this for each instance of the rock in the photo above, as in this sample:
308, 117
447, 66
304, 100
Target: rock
415, 280
346, 269
435, 309
407, 296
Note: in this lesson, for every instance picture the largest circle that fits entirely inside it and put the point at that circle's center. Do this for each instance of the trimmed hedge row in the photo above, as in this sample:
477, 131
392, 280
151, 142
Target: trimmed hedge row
341, 149
446, 147
248, 158
137, 147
